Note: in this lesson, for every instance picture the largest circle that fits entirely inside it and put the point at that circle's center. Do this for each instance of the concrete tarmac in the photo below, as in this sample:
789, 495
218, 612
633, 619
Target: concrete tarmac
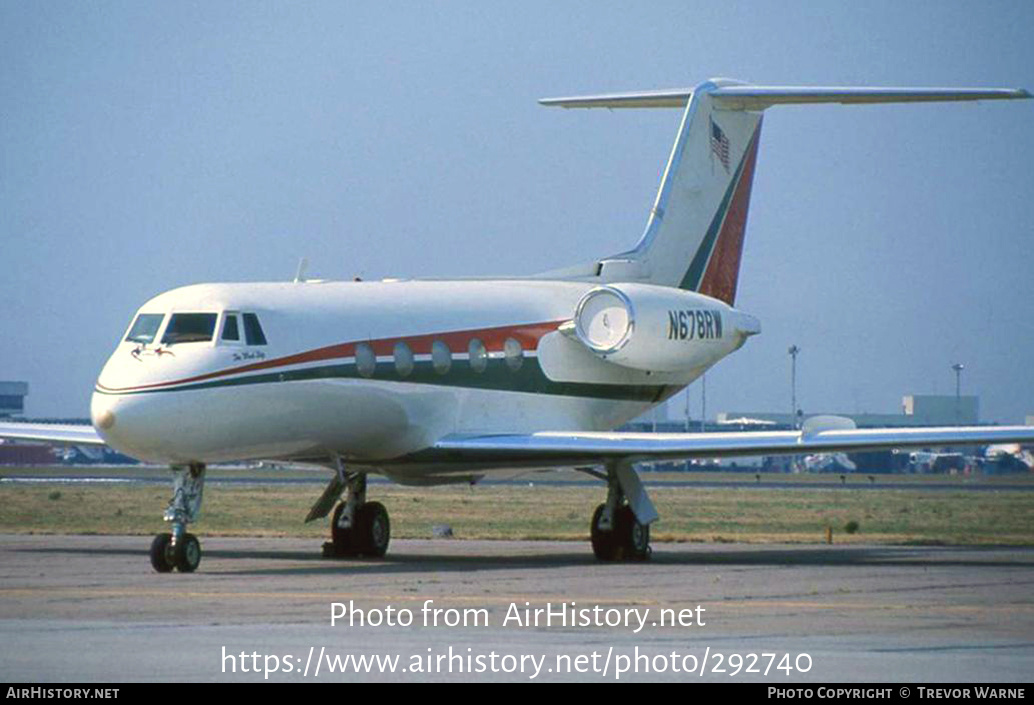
90, 608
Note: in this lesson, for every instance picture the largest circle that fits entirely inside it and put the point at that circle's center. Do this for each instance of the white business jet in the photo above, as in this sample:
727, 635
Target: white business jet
431, 382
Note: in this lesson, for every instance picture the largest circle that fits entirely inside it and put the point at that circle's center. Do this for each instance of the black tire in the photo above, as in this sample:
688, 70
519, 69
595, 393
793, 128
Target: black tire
633, 536
373, 529
604, 543
342, 539
161, 553
187, 554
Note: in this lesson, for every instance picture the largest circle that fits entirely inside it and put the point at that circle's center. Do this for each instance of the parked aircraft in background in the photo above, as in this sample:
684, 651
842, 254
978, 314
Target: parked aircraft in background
430, 382
1009, 457
829, 462
927, 462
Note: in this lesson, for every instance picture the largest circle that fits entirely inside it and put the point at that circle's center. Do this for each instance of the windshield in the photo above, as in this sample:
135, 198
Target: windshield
189, 328
145, 327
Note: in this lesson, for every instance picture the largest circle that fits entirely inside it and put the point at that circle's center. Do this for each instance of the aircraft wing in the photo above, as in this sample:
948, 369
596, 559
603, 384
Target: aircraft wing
574, 447
64, 434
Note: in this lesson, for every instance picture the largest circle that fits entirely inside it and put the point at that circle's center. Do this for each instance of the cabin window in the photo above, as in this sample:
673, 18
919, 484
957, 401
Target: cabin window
478, 355
230, 328
145, 327
513, 353
403, 360
253, 334
365, 360
189, 328
441, 357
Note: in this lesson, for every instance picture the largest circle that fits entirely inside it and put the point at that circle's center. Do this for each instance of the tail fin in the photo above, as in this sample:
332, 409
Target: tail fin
694, 235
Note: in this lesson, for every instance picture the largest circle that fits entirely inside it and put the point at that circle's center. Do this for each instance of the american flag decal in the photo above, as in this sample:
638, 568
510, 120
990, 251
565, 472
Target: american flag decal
719, 144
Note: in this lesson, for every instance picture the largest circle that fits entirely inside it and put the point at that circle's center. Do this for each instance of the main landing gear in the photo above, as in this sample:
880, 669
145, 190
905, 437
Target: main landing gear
358, 527
620, 528
179, 550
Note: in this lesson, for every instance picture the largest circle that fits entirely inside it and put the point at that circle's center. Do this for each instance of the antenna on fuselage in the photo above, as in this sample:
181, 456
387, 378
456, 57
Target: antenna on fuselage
299, 276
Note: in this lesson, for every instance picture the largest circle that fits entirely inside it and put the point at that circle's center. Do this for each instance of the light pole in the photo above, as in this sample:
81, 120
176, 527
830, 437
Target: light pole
687, 408
793, 350
703, 401
958, 367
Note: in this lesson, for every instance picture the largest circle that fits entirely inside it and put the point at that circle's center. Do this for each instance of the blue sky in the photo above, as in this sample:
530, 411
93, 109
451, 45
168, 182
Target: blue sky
145, 146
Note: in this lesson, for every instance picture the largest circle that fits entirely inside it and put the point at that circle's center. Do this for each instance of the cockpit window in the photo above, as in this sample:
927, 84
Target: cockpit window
230, 331
189, 328
145, 327
253, 334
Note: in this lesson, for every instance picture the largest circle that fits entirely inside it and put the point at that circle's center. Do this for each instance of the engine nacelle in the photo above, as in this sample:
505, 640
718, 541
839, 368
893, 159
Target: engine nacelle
657, 328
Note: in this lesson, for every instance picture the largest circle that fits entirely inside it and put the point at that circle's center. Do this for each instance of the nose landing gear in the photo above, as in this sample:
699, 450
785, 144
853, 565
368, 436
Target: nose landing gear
180, 550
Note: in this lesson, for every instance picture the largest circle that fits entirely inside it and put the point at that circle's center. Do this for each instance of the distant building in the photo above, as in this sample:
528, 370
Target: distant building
942, 410
12, 403
12, 398
916, 410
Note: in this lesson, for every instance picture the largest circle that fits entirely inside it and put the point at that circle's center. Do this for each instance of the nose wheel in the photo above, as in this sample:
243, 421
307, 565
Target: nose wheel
180, 550
183, 555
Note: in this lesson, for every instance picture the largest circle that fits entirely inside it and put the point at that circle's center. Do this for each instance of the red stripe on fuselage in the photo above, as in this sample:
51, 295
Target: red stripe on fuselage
723, 271
528, 335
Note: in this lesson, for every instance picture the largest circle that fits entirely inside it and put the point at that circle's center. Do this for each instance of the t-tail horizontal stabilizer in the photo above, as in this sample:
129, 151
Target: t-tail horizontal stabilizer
733, 96
695, 230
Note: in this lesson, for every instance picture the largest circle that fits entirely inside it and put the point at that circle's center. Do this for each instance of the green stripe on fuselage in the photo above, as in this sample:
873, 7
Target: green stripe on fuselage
497, 376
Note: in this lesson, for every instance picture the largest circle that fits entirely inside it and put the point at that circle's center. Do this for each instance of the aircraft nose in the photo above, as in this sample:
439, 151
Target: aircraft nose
121, 422
103, 414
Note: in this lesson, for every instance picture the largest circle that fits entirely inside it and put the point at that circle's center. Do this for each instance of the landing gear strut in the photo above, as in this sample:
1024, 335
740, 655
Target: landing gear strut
616, 532
358, 527
179, 550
